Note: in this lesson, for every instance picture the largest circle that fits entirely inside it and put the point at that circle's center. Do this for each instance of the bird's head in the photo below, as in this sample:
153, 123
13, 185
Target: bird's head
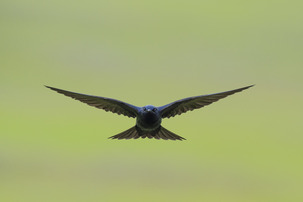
149, 109
149, 115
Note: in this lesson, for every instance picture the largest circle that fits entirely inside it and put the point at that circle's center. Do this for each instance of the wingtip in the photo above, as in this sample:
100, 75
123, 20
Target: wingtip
52, 88
244, 88
47, 86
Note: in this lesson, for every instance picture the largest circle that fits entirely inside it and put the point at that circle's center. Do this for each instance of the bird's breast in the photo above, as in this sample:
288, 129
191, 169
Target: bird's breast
149, 120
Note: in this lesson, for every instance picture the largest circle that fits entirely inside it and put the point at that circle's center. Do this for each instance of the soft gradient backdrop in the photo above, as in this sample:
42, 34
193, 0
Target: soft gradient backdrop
247, 147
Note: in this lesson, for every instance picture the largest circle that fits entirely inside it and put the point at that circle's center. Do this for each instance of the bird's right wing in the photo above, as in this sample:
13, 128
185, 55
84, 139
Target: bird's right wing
191, 103
106, 104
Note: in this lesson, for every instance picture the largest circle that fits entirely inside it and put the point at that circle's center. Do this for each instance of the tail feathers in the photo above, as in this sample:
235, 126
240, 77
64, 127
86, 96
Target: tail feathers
135, 133
168, 135
128, 134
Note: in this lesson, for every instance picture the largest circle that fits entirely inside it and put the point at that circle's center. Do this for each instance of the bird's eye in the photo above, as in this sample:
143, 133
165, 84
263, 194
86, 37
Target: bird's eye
144, 109
154, 109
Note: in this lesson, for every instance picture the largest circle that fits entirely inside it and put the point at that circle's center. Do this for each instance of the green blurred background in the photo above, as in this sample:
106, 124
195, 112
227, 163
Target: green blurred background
247, 147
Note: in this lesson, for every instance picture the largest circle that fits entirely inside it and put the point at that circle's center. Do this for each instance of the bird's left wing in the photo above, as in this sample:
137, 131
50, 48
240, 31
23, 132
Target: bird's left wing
106, 104
191, 103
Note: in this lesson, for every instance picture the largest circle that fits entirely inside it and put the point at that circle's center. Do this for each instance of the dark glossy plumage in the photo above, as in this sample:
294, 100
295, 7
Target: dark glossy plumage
188, 104
149, 117
104, 103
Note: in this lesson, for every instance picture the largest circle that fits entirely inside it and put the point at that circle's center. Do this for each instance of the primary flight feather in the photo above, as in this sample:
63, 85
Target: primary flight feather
149, 117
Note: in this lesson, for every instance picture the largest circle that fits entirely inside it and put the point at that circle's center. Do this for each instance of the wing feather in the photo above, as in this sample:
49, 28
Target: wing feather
106, 104
196, 102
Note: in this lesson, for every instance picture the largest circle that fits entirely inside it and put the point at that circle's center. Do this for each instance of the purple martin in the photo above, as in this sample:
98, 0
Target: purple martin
149, 117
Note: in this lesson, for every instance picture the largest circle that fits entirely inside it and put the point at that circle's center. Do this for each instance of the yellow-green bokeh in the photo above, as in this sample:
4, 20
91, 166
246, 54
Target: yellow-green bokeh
247, 147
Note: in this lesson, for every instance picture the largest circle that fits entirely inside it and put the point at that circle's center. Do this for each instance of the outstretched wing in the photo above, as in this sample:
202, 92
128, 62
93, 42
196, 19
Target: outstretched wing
191, 103
107, 104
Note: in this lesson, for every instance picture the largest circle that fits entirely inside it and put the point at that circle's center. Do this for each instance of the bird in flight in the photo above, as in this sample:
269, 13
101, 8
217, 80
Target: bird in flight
149, 117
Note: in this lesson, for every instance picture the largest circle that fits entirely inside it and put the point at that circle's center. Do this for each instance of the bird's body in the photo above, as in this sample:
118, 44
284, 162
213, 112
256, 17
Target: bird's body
149, 117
